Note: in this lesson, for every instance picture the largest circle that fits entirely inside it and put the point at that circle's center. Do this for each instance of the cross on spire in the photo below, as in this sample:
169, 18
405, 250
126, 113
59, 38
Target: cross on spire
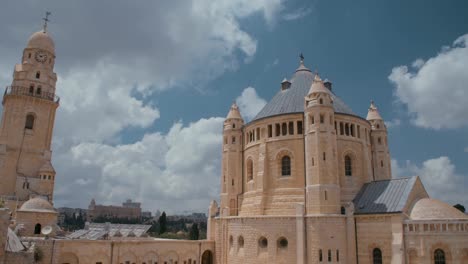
301, 57
46, 19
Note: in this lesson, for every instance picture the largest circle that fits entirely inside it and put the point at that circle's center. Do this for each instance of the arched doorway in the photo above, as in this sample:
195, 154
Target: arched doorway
37, 229
207, 257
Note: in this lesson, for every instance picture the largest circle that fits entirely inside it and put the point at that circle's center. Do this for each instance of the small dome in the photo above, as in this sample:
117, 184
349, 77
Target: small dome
234, 112
47, 167
41, 40
37, 204
431, 209
373, 113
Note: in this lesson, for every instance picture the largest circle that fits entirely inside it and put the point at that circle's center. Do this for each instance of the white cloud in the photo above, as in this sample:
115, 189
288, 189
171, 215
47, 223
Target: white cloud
250, 103
439, 177
393, 123
173, 171
435, 91
297, 14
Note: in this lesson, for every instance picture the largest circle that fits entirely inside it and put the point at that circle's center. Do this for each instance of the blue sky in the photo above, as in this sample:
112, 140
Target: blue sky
144, 88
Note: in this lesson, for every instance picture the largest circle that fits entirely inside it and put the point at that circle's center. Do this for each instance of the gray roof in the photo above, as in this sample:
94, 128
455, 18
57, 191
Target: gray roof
94, 231
387, 196
292, 100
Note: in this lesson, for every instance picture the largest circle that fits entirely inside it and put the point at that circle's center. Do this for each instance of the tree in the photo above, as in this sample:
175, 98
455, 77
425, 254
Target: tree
194, 232
162, 223
460, 207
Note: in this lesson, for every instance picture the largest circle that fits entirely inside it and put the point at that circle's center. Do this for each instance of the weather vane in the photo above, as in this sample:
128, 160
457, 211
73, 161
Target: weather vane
46, 19
301, 57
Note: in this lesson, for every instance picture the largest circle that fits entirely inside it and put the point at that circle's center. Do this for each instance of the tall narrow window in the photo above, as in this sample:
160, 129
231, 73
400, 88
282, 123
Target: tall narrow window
29, 121
38, 75
312, 119
381, 163
321, 101
379, 140
270, 131
320, 255
291, 128
29, 55
326, 196
331, 119
249, 170
277, 130
233, 125
343, 210
286, 166
233, 140
284, 129
299, 127
337, 255
358, 131
352, 130
322, 119
324, 156
347, 129
31, 89
258, 133
341, 129
377, 256
348, 166
329, 256
336, 128
439, 256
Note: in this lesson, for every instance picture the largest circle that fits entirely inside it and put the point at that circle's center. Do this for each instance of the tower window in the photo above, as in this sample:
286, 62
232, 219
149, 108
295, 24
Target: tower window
326, 196
379, 140
39, 90
29, 121
299, 127
352, 130
343, 210
320, 255
232, 182
284, 129
358, 131
277, 130
29, 55
249, 169
258, 133
348, 166
331, 119
313, 162
263, 242
282, 243
381, 163
286, 166
291, 128
324, 156
439, 256
38, 75
341, 129
322, 119
377, 256
329, 255
233, 140
31, 89
337, 255
270, 131
233, 125
347, 129
321, 101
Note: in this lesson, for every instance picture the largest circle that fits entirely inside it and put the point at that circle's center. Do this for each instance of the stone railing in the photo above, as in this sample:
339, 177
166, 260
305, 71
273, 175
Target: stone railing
435, 226
20, 90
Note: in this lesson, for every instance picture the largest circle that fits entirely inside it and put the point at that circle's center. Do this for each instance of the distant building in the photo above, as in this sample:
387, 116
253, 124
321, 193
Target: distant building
194, 217
128, 210
146, 214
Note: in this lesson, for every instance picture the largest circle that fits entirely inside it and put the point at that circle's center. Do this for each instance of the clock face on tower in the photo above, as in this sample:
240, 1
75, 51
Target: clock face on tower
40, 56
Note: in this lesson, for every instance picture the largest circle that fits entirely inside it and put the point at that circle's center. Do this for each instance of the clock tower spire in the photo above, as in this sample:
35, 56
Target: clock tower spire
27, 123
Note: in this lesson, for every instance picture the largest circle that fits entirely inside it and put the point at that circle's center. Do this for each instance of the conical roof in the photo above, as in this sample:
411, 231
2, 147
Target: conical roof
373, 113
291, 100
318, 86
234, 112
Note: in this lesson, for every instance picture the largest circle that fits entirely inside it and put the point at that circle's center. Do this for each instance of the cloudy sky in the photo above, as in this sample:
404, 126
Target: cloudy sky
144, 88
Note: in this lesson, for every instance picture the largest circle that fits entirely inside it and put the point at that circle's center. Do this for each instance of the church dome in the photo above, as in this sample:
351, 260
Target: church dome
431, 209
290, 101
41, 40
37, 204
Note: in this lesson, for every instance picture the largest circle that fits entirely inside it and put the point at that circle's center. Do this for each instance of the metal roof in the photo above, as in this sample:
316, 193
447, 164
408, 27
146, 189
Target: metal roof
292, 100
387, 196
95, 231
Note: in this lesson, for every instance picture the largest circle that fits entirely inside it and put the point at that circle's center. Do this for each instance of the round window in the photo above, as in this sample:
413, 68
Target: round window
263, 242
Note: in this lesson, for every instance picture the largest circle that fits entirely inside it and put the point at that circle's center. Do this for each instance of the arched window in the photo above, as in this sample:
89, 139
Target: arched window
343, 210
321, 101
286, 166
29, 121
38, 75
31, 89
263, 242
377, 256
240, 242
39, 90
348, 166
282, 243
347, 129
249, 170
37, 229
439, 256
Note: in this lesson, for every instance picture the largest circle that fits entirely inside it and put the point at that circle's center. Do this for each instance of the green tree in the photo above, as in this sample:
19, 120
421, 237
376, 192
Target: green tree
460, 207
194, 232
162, 223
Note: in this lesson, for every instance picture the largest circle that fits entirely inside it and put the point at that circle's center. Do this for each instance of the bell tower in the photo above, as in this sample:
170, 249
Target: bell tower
27, 123
381, 161
323, 190
231, 179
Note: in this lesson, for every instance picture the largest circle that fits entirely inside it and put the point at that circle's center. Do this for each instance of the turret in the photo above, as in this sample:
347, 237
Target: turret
379, 147
322, 183
231, 178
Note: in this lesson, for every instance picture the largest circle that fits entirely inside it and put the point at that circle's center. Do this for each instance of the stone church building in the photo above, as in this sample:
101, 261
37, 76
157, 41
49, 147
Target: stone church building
306, 181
